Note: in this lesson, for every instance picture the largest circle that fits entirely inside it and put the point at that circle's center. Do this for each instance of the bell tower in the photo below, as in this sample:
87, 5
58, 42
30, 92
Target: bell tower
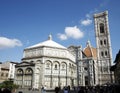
103, 43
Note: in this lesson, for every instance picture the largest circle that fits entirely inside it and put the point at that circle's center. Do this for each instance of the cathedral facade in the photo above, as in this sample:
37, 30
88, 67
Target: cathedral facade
51, 64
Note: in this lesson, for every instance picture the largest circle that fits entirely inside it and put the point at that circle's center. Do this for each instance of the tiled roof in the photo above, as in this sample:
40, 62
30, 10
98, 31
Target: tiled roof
90, 51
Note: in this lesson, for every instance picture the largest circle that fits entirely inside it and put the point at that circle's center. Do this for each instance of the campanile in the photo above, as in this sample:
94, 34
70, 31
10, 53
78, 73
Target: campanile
103, 43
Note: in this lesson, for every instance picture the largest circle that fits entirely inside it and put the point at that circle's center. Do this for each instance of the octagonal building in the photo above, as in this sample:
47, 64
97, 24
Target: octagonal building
46, 64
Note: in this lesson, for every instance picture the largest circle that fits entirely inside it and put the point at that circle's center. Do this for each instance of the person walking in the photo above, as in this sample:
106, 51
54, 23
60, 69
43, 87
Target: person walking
57, 89
65, 90
42, 89
45, 89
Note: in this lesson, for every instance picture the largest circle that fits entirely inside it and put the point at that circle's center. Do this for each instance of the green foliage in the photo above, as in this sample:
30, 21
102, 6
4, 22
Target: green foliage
8, 84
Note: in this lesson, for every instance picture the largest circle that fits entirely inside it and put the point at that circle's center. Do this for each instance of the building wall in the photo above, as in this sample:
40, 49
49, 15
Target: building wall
116, 68
4, 74
51, 72
117, 73
10, 67
62, 71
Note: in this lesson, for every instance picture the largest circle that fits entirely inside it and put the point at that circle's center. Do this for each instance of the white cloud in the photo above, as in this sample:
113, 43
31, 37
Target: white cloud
71, 32
88, 15
9, 43
62, 36
86, 22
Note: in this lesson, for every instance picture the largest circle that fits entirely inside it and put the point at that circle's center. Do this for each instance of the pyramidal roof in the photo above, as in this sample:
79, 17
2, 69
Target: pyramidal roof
49, 43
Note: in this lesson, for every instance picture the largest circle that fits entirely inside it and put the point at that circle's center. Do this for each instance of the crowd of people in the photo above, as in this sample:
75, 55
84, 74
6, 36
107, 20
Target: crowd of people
99, 89
89, 89
79, 89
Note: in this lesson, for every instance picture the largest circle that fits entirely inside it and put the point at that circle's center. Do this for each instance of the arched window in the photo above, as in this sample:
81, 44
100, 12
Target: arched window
20, 72
104, 42
48, 65
28, 71
55, 66
101, 28
102, 54
85, 68
101, 43
6, 74
63, 66
106, 53
2, 74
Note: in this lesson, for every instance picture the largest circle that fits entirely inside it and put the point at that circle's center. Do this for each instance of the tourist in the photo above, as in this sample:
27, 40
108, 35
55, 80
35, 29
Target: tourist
65, 90
42, 89
57, 89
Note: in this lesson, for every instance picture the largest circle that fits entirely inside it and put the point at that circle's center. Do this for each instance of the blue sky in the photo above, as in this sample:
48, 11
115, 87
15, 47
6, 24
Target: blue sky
27, 22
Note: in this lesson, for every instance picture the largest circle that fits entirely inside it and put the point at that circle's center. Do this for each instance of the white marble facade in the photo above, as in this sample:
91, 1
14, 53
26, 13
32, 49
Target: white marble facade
46, 64
104, 51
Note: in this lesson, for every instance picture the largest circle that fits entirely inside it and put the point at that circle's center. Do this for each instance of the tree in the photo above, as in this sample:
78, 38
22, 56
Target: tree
8, 84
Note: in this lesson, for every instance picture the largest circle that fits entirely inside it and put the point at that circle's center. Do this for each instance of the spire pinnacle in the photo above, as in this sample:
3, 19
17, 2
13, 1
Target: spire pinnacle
50, 37
88, 43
